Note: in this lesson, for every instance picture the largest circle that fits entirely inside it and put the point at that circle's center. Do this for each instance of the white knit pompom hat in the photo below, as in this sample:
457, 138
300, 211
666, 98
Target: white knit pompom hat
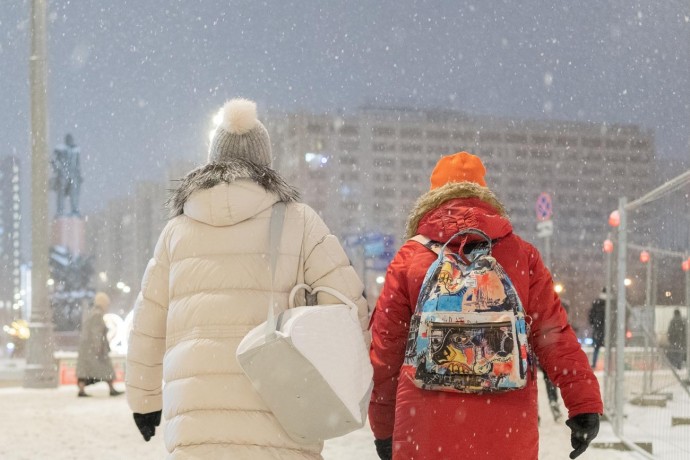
240, 135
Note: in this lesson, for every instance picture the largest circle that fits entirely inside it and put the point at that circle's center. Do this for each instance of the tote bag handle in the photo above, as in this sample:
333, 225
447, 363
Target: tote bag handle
328, 290
277, 218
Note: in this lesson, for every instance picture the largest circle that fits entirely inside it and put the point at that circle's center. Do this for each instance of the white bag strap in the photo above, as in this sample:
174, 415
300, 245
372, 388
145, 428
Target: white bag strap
277, 218
337, 294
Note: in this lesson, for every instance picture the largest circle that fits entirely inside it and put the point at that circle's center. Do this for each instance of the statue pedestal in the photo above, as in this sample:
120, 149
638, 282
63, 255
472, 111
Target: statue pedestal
68, 231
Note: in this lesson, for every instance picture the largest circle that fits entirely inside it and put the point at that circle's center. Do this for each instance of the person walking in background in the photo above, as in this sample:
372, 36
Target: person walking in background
597, 319
411, 423
677, 340
93, 362
209, 283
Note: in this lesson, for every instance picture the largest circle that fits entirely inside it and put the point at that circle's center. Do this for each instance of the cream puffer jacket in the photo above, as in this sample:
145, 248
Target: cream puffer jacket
207, 285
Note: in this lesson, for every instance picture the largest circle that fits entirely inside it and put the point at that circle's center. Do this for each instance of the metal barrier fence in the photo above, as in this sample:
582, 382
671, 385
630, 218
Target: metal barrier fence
656, 410
646, 397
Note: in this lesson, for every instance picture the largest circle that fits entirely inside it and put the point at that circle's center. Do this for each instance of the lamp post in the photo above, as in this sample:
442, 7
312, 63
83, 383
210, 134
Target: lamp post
686, 268
647, 377
608, 250
620, 316
41, 369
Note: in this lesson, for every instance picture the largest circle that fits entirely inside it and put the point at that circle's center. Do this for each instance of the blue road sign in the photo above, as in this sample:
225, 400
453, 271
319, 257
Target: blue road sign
544, 207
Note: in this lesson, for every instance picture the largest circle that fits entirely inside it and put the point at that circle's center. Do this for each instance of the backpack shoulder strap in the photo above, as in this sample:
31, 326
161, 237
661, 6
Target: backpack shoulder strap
436, 247
430, 244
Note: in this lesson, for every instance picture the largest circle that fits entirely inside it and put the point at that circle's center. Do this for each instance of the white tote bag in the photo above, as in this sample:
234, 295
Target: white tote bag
310, 364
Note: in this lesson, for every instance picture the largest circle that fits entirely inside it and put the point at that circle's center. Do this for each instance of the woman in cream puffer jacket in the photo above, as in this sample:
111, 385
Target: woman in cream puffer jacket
207, 285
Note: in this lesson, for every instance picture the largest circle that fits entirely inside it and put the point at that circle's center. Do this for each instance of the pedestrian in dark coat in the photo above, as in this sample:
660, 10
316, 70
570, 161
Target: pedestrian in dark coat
410, 423
597, 317
677, 340
93, 362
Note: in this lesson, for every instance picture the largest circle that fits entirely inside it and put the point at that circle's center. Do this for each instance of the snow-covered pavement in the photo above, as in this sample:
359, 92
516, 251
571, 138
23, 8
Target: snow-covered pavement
55, 424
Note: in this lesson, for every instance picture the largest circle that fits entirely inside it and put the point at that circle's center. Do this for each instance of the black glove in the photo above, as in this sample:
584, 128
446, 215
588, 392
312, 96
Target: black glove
147, 423
584, 427
384, 447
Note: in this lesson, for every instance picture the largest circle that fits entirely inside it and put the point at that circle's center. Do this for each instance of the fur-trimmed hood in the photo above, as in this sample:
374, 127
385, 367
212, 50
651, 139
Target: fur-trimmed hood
229, 192
474, 194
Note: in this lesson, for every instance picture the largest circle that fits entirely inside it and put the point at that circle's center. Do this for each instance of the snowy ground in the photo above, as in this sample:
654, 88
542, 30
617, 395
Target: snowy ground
56, 425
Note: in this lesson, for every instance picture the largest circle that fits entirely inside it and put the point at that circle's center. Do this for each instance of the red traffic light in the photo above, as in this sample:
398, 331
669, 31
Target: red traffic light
644, 257
685, 265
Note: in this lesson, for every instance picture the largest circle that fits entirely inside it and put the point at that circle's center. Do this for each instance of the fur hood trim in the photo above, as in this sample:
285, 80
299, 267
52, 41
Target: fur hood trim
450, 191
212, 174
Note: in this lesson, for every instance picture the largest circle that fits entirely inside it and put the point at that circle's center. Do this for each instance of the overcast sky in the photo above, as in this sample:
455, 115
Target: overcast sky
136, 82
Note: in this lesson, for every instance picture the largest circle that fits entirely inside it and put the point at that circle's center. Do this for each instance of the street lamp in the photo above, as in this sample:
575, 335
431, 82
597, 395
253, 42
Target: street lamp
615, 219
558, 288
41, 368
608, 363
644, 257
619, 219
608, 246
686, 268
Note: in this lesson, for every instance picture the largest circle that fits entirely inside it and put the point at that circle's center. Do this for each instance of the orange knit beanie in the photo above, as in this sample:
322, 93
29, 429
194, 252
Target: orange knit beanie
459, 167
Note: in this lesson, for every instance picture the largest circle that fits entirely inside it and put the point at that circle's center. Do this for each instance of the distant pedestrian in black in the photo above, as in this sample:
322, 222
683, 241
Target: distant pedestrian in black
597, 317
677, 340
93, 363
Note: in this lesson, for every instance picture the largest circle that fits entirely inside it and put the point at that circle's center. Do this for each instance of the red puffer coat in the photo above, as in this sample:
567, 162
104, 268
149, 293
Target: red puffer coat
437, 425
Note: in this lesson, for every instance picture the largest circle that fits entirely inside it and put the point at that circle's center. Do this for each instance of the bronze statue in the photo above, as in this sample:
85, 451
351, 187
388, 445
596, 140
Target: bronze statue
67, 180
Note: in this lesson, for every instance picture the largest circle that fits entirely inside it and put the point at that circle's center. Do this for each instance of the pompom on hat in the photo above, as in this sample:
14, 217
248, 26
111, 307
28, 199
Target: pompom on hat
240, 135
459, 167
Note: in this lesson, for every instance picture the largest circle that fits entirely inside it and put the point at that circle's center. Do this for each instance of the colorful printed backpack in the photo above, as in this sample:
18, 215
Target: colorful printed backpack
468, 333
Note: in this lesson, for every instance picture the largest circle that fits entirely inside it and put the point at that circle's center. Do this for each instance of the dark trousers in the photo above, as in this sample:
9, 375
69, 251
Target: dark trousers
551, 390
676, 356
595, 354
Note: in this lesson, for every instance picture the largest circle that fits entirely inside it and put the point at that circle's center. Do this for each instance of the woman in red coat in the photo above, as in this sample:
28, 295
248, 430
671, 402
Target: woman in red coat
412, 423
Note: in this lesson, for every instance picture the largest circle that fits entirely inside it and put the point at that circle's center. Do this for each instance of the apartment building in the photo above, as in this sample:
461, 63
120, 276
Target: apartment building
10, 251
363, 172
